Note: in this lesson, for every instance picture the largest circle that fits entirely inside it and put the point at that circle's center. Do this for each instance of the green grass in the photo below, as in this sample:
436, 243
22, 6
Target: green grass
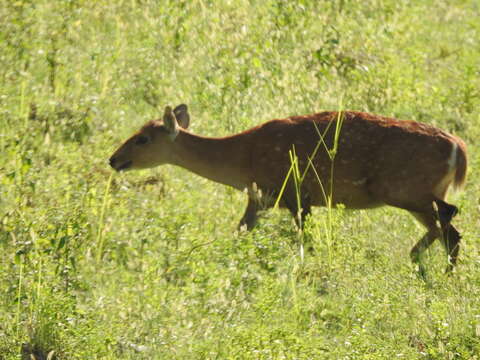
148, 265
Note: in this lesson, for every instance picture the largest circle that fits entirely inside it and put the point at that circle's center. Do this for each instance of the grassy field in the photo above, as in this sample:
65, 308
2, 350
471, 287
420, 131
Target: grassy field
148, 264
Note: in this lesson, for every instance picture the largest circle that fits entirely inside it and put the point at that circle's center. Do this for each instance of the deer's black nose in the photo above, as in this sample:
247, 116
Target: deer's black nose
112, 162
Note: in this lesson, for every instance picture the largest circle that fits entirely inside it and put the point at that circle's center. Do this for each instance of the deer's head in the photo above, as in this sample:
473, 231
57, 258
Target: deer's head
152, 145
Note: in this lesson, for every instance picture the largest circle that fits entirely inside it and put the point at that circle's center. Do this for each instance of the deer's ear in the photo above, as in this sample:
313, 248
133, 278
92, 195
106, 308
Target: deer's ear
170, 123
181, 113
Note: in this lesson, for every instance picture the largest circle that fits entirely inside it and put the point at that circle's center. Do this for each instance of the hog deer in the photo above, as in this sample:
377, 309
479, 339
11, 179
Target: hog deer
378, 161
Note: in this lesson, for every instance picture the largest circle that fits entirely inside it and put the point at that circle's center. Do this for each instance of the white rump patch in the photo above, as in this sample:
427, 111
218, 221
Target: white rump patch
452, 160
441, 189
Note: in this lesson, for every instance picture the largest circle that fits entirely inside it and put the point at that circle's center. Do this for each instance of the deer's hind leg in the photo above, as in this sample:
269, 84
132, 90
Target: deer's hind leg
299, 214
428, 219
451, 241
437, 221
429, 208
450, 236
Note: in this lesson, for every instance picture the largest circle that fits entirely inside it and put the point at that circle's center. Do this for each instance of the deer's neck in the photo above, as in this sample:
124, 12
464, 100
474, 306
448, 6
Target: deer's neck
224, 160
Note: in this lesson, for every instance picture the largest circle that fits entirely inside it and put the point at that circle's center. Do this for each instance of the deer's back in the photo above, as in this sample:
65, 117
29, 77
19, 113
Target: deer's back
368, 149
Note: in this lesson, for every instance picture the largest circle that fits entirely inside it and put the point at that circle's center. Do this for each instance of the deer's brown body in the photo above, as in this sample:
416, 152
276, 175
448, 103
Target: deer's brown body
379, 161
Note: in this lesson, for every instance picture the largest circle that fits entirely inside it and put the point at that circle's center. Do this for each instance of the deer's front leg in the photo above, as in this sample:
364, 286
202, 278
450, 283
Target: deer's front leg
257, 200
250, 217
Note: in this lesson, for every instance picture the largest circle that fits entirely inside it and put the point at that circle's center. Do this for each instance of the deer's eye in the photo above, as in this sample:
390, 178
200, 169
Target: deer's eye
141, 140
